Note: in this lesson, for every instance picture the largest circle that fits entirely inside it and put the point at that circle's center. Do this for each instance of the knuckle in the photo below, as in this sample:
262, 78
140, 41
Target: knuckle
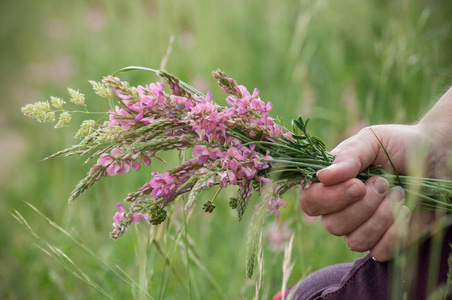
385, 219
369, 205
309, 207
366, 130
333, 227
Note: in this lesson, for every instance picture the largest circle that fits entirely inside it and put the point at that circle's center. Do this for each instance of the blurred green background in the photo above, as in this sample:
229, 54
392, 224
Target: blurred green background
346, 64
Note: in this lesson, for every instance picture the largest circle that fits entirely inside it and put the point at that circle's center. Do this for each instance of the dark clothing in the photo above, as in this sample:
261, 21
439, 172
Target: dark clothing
415, 277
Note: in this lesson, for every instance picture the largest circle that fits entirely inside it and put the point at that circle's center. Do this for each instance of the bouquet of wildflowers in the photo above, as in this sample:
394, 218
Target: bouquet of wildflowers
239, 144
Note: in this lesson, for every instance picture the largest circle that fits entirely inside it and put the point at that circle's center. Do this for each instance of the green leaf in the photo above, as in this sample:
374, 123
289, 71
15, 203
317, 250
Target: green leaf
318, 142
299, 124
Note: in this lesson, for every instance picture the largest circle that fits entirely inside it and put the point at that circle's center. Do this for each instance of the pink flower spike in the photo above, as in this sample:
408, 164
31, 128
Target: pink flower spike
135, 165
115, 152
233, 152
201, 153
145, 160
140, 115
264, 117
105, 159
233, 164
263, 179
198, 150
223, 179
269, 106
284, 204
136, 218
94, 169
243, 90
114, 169
150, 104
188, 104
214, 153
232, 178
255, 93
118, 217
203, 171
160, 85
120, 207
210, 182
288, 135
126, 168
231, 100
156, 193
208, 96
168, 178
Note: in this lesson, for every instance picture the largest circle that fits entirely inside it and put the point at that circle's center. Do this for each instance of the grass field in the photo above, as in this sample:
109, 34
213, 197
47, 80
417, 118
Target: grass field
346, 64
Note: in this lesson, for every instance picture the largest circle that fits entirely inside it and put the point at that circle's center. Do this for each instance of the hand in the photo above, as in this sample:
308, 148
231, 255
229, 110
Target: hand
368, 214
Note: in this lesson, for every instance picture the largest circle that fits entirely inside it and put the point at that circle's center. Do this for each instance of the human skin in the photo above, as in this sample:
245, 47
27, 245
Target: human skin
370, 215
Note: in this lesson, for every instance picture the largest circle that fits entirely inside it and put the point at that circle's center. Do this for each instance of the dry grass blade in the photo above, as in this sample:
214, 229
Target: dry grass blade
287, 267
64, 259
260, 290
255, 230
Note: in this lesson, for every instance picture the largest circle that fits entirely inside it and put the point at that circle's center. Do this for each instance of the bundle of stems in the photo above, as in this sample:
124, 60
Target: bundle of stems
239, 144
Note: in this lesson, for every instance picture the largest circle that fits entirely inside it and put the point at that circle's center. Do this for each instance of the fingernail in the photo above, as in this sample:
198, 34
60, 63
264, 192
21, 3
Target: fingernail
397, 194
404, 214
354, 191
329, 168
332, 167
381, 185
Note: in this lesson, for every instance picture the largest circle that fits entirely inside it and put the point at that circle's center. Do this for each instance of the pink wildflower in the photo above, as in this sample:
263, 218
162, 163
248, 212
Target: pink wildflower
201, 153
288, 135
119, 216
272, 199
223, 179
121, 117
279, 234
116, 165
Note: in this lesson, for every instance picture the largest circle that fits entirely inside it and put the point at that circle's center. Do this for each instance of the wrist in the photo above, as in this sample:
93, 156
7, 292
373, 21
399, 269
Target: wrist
438, 133
437, 122
439, 142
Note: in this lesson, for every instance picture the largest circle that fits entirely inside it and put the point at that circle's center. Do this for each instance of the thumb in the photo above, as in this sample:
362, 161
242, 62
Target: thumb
352, 156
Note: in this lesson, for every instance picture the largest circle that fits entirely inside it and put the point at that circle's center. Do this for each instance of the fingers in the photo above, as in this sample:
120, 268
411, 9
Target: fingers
368, 235
395, 236
352, 156
320, 199
363, 149
350, 218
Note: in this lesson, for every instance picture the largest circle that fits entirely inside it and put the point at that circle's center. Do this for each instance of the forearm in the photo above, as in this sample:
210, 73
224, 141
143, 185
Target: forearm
436, 125
438, 121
